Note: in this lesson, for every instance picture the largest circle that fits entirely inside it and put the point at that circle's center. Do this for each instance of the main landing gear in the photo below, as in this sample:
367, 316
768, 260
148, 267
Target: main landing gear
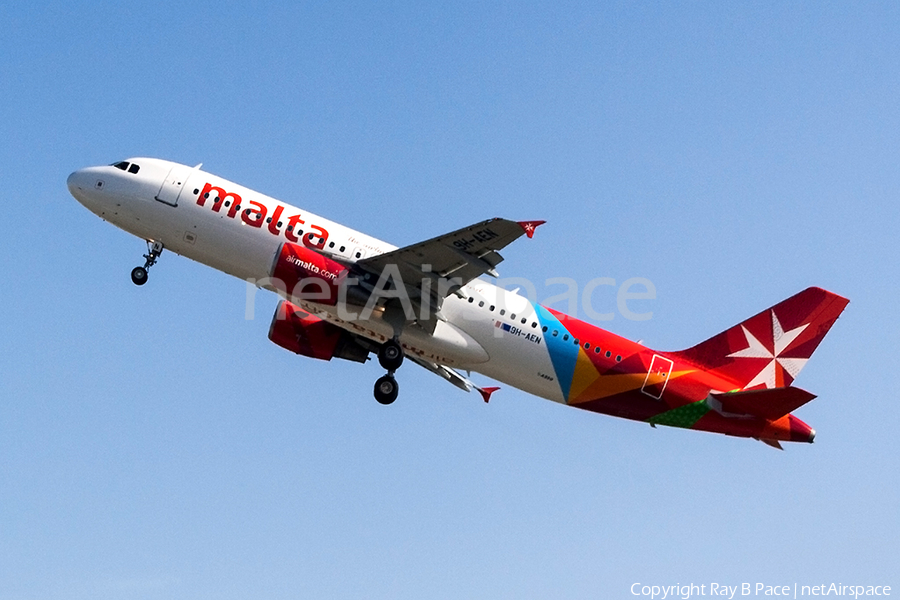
390, 357
139, 274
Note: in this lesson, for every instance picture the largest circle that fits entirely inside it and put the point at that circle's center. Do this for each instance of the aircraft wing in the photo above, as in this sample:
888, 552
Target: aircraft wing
454, 377
433, 269
465, 254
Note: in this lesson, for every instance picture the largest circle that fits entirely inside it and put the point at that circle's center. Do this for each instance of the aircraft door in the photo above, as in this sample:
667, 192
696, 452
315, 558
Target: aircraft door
657, 376
173, 184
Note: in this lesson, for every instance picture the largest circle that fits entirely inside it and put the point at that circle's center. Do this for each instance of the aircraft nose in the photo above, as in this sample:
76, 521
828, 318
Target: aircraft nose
83, 184
71, 182
78, 182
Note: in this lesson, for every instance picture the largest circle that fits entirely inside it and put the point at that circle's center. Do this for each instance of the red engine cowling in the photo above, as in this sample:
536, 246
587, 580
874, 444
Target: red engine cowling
307, 274
302, 333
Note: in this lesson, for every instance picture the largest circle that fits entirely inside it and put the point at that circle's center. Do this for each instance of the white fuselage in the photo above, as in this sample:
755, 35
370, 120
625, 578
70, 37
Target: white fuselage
495, 332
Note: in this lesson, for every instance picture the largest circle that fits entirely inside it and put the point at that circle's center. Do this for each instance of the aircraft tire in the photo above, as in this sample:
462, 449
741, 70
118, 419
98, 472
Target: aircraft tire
386, 389
390, 355
139, 275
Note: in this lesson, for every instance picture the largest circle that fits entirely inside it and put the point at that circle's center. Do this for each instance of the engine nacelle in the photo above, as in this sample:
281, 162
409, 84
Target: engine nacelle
302, 333
308, 275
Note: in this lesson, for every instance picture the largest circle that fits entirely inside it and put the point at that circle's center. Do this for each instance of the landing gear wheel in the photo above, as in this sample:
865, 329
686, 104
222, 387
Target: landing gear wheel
390, 355
139, 275
386, 389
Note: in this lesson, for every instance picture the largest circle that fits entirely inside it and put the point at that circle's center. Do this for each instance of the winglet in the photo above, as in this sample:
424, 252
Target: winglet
530, 226
486, 392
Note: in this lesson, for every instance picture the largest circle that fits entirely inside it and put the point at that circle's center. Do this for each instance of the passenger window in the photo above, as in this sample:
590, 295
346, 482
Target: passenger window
566, 338
491, 308
342, 247
481, 304
331, 244
502, 312
544, 329
618, 358
597, 350
555, 333
524, 320
608, 354
471, 299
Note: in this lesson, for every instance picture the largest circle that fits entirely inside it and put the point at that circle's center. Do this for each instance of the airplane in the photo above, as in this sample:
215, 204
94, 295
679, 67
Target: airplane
347, 295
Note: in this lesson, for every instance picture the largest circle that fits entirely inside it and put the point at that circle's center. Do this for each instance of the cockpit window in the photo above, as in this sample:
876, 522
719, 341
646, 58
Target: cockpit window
127, 166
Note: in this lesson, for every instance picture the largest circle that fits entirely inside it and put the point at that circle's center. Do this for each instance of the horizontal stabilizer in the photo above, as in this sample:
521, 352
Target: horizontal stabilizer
769, 404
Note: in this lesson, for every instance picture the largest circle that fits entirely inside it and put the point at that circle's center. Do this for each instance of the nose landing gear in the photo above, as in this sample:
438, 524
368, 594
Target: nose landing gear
390, 357
139, 274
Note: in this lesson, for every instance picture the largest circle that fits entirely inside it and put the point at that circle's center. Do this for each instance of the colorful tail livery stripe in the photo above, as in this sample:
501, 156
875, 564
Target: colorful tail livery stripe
592, 363
561, 346
769, 349
737, 382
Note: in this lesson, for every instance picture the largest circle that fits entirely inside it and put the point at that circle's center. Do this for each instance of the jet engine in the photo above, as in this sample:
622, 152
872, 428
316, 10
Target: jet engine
302, 333
306, 274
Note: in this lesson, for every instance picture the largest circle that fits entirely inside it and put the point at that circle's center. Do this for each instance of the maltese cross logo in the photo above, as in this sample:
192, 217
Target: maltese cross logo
529, 226
781, 340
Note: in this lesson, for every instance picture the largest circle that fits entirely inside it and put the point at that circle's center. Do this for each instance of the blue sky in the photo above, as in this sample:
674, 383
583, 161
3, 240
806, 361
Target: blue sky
154, 443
